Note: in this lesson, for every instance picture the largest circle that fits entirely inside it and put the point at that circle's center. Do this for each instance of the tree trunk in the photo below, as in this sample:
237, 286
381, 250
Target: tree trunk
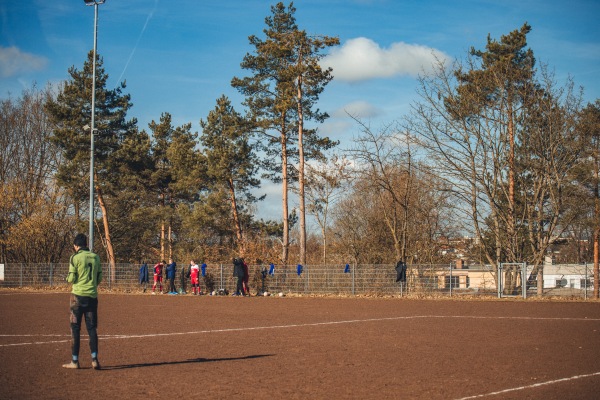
407, 188
170, 240
324, 245
301, 194
596, 259
596, 230
540, 280
109, 247
162, 231
511, 185
510, 280
236, 218
284, 196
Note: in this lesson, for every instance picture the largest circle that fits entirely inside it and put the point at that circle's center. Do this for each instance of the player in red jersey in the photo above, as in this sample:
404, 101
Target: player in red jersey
158, 277
195, 277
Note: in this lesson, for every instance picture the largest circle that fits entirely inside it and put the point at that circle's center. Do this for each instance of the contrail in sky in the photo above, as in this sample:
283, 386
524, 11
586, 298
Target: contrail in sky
138, 41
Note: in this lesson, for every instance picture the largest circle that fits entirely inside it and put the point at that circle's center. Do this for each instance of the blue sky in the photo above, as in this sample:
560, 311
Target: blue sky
180, 56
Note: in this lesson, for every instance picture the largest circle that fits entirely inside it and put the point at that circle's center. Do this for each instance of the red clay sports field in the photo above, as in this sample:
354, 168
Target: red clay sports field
302, 348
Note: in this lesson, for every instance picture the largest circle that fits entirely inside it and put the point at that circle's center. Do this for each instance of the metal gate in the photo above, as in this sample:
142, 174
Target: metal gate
521, 277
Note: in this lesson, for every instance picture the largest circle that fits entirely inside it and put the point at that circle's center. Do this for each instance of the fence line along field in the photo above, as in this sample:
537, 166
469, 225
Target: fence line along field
302, 347
561, 280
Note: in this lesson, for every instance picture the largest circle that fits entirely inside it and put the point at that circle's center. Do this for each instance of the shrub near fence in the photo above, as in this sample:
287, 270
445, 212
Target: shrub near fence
366, 279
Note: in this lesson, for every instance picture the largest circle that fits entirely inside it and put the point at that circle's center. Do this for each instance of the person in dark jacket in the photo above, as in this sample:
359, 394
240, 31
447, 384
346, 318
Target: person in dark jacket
183, 277
246, 278
171, 272
238, 272
401, 271
144, 276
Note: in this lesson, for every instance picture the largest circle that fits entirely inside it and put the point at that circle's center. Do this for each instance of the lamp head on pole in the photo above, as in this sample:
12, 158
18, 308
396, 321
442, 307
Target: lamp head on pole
93, 2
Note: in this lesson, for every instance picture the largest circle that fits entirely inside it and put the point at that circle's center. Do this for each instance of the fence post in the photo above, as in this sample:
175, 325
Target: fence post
50, 278
450, 279
524, 280
499, 280
21, 277
353, 278
221, 277
402, 286
585, 276
307, 281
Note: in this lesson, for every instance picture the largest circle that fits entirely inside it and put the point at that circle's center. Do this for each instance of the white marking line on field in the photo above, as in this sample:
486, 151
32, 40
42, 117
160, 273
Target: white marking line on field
32, 335
37, 293
353, 321
34, 343
572, 378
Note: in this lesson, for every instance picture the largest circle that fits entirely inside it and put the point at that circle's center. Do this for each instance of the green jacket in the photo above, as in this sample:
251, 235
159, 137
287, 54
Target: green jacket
85, 273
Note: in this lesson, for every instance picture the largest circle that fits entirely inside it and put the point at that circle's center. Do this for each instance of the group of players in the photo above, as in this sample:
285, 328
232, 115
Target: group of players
169, 271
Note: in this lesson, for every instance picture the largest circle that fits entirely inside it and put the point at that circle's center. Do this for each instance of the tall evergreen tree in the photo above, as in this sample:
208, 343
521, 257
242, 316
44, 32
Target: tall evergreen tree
132, 198
231, 160
280, 94
69, 113
177, 173
189, 177
311, 80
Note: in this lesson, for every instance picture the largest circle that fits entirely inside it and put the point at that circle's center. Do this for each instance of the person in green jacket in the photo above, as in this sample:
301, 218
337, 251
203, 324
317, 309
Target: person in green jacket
85, 273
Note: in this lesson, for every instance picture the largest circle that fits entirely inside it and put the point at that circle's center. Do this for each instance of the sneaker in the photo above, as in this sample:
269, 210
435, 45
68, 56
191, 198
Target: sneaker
95, 363
72, 365
153, 292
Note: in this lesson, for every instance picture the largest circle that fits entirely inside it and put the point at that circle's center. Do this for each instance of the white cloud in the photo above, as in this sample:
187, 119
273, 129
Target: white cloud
361, 59
13, 61
359, 109
337, 128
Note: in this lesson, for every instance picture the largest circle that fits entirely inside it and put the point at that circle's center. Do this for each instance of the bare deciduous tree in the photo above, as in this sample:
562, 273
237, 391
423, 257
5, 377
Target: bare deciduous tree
324, 181
508, 170
35, 222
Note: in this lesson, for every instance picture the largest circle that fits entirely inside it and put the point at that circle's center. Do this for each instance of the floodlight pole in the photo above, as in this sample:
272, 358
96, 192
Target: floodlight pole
94, 3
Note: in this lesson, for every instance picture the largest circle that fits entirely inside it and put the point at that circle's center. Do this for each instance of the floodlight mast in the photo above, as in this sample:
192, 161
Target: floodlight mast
94, 3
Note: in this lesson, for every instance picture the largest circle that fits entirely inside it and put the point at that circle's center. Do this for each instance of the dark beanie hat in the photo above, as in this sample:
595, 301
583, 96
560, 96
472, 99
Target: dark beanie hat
80, 240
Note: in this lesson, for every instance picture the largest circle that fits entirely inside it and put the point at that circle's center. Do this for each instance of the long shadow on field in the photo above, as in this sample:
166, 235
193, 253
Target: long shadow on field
190, 361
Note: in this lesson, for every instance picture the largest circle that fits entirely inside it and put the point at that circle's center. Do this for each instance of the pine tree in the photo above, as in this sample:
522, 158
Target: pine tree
176, 175
132, 198
280, 96
231, 160
69, 113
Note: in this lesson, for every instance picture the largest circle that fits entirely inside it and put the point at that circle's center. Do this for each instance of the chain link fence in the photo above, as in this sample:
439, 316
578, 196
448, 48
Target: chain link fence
566, 280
